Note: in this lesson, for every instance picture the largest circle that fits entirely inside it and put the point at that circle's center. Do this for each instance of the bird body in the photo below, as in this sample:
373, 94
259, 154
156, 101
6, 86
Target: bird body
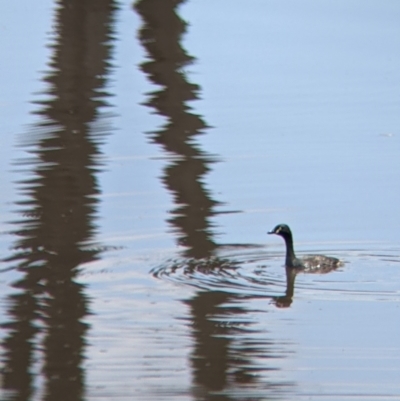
310, 263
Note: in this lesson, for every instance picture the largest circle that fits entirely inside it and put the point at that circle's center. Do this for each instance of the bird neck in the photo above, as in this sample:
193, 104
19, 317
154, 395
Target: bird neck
290, 255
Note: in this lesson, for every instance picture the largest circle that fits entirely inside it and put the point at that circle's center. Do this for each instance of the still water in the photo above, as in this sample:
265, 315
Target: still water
147, 148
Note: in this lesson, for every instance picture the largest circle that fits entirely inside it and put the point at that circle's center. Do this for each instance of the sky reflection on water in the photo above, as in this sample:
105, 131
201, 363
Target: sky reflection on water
155, 279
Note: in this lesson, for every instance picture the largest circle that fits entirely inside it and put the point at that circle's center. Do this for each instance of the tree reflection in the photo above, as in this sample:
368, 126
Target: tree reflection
228, 351
60, 197
220, 364
183, 177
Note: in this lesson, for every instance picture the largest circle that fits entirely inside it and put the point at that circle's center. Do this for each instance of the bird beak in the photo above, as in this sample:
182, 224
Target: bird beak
271, 232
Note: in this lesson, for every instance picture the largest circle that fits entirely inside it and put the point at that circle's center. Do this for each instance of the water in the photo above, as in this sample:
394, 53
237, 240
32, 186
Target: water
147, 150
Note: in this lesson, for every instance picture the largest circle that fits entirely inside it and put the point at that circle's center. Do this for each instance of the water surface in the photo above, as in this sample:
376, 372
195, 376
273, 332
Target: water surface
147, 150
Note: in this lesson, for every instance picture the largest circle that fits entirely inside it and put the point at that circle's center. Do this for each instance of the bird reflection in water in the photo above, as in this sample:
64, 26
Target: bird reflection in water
284, 301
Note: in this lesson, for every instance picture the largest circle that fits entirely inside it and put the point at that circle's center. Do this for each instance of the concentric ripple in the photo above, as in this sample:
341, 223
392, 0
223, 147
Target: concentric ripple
240, 271
259, 272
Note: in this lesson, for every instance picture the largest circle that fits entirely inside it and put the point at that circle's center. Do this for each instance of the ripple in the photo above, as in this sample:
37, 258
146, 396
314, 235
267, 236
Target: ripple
368, 275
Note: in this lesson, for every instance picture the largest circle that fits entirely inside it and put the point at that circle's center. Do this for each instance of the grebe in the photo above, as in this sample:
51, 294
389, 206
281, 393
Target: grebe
310, 263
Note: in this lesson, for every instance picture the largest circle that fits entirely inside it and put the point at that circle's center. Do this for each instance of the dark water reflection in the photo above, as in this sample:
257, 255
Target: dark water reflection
48, 306
161, 36
221, 367
228, 351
